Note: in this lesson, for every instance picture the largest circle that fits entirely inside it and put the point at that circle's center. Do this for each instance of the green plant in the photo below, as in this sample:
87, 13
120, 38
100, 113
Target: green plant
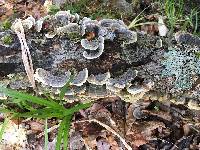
7, 39
98, 10
6, 25
53, 9
191, 20
174, 11
76, 7
137, 19
36, 107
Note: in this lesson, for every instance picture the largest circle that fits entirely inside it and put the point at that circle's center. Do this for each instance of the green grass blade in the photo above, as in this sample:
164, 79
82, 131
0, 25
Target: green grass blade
60, 135
30, 98
76, 108
46, 136
27, 106
4, 110
196, 23
66, 131
42, 113
137, 19
66, 87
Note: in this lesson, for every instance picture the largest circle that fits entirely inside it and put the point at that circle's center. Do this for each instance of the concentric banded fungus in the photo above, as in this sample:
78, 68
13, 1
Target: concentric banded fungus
92, 50
88, 25
140, 89
97, 91
99, 79
123, 81
109, 23
92, 54
65, 17
111, 86
48, 79
136, 89
80, 78
90, 44
187, 38
126, 35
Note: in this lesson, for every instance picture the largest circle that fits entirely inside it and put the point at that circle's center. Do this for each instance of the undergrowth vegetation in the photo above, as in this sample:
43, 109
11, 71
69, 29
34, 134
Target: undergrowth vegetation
177, 16
23, 105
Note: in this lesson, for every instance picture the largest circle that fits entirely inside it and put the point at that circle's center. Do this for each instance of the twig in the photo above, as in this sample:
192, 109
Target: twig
110, 130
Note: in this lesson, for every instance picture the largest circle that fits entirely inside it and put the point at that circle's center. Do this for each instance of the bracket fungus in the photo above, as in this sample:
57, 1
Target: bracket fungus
93, 48
140, 89
47, 78
93, 32
106, 29
80, 78
99, 79
117, 84
184, 37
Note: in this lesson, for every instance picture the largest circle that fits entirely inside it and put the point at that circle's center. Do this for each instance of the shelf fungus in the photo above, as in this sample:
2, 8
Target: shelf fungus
48, 79
93, 48
99, 79
117, 84
187, 38
80, 78
91, 33
65, 17
140, 89
106, 29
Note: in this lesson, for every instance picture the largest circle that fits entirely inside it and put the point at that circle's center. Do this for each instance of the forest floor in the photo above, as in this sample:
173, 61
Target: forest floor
109, 123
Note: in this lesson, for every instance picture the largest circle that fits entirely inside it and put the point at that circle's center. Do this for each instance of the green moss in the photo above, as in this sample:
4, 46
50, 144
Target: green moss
197, 54
53, 9
97, 11
76, 7
74, 36
6, 25
7, 39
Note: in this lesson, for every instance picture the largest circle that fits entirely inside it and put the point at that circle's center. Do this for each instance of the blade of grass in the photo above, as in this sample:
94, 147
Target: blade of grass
42, 113
196, 22
60, 135
27, 106
66, 86
46, 136
4, 110
66, 131
30, 98
137, 19
76, 109
49, 112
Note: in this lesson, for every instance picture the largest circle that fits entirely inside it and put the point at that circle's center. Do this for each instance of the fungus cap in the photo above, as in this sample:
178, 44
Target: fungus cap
46, 78
80, 78
99, 79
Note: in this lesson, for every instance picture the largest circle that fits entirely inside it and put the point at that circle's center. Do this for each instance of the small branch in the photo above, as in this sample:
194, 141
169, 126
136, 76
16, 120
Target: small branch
110, 130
